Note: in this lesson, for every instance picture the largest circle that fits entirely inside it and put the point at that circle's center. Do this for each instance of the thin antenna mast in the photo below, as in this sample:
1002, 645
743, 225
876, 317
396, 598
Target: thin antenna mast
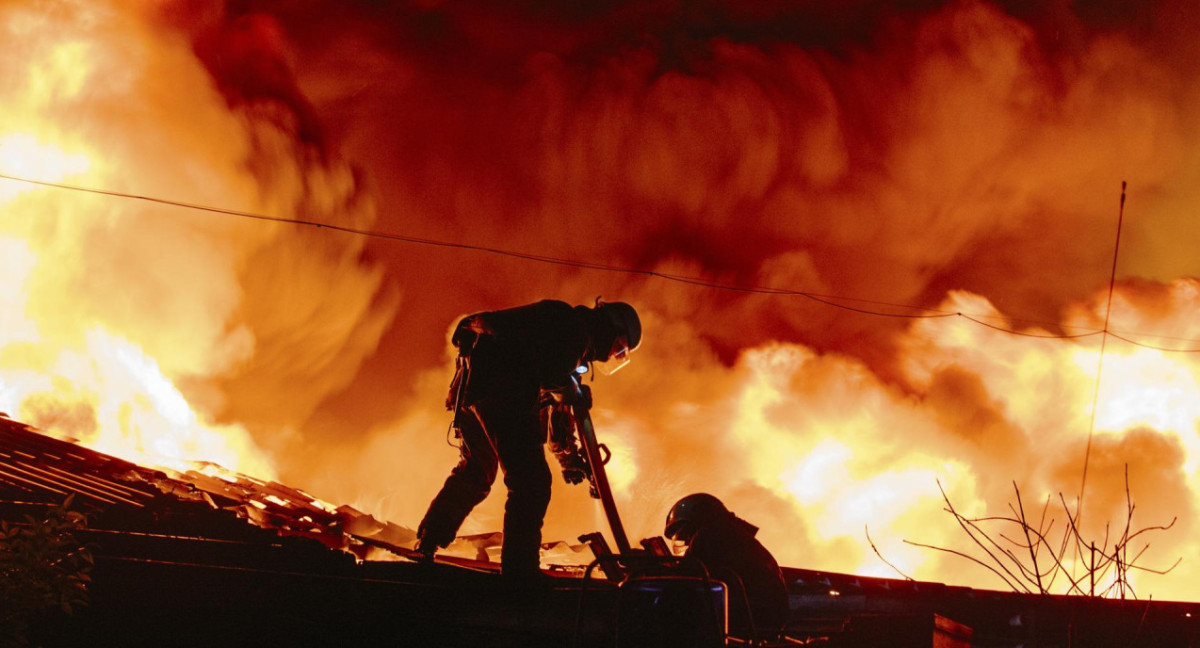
1112, 280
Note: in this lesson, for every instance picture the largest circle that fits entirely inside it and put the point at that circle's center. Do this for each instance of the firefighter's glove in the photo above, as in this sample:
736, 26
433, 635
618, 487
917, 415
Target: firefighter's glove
574, 470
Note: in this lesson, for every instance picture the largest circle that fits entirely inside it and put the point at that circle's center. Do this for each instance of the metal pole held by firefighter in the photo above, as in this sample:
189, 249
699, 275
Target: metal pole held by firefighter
597, 456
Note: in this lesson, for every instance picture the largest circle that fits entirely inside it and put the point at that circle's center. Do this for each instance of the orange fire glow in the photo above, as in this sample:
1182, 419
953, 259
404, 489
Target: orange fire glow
961, 161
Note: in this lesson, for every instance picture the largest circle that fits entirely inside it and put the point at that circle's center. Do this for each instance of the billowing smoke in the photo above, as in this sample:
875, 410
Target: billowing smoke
893, 159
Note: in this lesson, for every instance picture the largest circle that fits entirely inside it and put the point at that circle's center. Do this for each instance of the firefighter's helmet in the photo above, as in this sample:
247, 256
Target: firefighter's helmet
691, 513
625, 320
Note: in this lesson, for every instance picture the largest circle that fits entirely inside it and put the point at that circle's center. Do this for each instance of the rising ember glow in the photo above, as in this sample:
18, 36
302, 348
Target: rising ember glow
962, 161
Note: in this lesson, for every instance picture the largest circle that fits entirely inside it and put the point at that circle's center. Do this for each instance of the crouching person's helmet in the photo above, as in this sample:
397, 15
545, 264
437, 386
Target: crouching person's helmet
691, 514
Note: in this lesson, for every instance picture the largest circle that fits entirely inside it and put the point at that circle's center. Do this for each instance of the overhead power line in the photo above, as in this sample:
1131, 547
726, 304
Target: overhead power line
834, 301
1154, 346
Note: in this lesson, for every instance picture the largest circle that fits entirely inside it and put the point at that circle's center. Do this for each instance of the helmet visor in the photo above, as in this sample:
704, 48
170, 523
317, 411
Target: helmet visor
618, 357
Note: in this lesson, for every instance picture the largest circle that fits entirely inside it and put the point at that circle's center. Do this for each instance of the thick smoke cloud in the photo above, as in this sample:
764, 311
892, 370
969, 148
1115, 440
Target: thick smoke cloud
892, 157
941, 150
963, 146
884, 153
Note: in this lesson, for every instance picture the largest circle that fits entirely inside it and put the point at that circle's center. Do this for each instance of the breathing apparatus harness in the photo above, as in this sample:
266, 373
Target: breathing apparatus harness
458, 385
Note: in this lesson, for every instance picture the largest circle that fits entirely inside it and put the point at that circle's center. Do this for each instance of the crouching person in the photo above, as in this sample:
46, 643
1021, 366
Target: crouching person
725, 544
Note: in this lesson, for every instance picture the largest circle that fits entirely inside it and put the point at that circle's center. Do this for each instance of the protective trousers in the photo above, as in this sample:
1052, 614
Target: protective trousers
502, 432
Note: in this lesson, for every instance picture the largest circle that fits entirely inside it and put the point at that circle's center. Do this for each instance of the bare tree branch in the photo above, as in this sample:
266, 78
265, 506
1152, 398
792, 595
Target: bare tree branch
1028, 541
896, 569
1107, 565
1015, 586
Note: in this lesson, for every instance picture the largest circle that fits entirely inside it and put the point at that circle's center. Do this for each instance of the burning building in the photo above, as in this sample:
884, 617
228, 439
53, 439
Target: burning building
878, 246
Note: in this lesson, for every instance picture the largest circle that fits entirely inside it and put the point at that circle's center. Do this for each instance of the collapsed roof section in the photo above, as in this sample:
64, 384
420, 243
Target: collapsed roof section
36, 469
207, 556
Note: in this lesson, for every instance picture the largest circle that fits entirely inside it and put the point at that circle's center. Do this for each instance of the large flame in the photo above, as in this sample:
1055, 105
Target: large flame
965, 160
119, 313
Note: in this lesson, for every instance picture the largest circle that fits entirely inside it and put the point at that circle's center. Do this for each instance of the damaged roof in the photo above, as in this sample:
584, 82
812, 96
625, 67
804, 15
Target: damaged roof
206, 555
39, 469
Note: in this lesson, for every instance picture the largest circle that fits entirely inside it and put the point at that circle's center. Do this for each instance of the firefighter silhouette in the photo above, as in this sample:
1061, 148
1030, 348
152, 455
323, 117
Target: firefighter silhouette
726, 546
506, 358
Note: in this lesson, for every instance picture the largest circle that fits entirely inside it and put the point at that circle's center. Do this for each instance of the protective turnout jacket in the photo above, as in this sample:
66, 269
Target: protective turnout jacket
515, 352
733, 555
